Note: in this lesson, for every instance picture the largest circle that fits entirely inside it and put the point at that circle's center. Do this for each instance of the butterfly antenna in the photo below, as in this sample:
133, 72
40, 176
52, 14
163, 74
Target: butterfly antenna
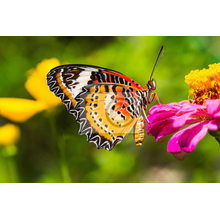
157, 61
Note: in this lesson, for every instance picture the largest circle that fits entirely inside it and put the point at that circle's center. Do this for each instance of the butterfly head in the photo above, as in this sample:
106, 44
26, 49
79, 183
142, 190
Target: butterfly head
151, 84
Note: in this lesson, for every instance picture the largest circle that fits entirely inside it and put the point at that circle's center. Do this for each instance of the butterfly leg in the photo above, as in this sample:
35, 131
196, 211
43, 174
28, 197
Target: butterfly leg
155, 96
152, 97
145, 116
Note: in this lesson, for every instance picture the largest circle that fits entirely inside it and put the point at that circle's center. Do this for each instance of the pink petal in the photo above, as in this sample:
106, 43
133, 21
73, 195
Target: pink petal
180, 121
216, 115
160, 116
188, 138
169, 125
213, 108
191, 136
183, 106
164, 108
173, 144
214, 124
189, 107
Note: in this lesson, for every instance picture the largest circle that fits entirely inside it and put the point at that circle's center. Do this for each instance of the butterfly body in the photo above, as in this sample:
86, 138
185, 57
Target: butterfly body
106, 103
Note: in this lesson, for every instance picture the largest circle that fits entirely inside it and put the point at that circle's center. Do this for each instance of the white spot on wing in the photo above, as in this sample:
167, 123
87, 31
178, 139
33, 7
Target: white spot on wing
81, 81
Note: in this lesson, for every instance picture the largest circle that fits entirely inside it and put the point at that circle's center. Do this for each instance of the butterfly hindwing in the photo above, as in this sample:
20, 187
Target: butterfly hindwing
107, 112
105, 103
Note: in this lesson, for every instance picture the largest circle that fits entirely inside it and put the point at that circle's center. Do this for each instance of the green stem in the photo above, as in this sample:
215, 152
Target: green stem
12, 170
64, 167
60, 145
10, 163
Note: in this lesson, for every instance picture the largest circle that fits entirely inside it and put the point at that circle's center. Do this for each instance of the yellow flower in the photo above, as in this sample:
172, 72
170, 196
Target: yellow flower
9, 134
204, 84
37, 86
20, 110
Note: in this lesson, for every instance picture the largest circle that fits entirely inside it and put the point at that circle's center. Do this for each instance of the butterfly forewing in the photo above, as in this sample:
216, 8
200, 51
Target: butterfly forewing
106, 103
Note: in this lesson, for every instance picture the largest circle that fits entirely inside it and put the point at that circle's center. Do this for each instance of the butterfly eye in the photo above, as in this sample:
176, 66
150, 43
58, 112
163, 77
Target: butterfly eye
151, 84
154, 85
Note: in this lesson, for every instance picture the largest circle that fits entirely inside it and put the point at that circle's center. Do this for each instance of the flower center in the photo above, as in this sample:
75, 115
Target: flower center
204, 84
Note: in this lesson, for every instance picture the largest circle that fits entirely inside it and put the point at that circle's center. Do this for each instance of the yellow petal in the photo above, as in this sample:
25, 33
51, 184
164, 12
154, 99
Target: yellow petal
36, 83
19, 110
9, 134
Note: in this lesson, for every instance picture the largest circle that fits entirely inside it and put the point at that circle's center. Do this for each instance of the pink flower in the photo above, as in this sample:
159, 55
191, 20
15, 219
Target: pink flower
167, 119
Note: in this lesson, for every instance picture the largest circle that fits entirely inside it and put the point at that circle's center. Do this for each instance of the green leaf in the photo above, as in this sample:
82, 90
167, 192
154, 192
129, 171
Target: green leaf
215, 134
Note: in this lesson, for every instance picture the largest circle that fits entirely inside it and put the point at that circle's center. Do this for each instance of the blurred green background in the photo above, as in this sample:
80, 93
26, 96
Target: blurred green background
37, 157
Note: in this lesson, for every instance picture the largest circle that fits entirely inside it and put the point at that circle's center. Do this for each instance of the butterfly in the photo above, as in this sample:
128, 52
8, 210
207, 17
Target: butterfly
106, 103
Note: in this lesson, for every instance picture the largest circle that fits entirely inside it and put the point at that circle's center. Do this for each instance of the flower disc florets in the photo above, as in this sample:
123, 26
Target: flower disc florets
204, 84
